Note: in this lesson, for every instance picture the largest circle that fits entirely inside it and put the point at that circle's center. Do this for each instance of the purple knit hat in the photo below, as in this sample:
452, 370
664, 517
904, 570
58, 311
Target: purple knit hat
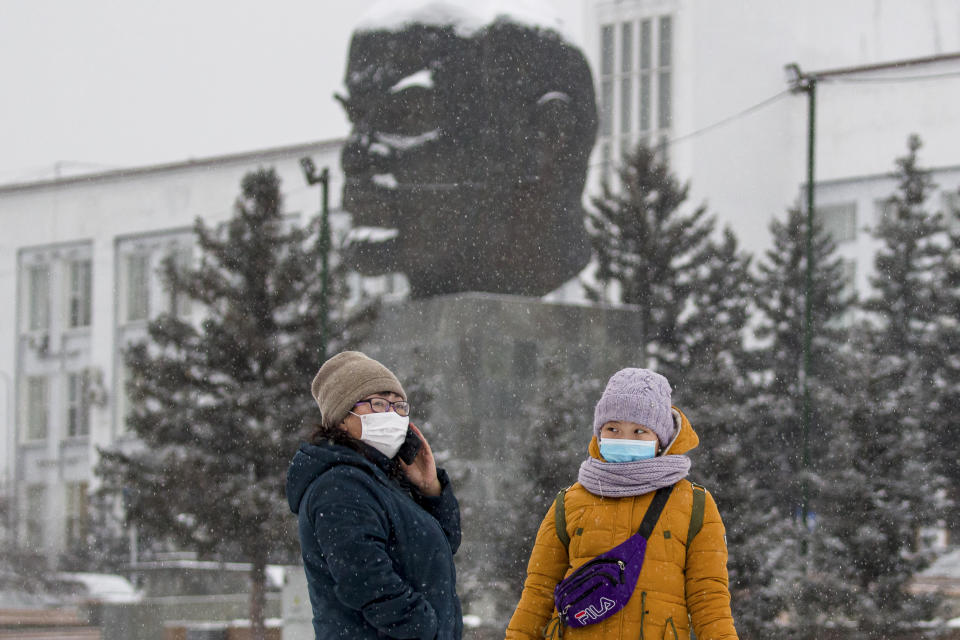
637, 395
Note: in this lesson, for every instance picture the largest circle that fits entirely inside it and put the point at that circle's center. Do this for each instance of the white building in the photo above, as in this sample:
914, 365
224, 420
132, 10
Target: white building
78, 255
80, 258
852, 209
708, 79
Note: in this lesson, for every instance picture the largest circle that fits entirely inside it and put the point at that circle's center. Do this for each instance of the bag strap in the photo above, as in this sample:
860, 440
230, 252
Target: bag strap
646, 525
560, 518
696, 513
653, 511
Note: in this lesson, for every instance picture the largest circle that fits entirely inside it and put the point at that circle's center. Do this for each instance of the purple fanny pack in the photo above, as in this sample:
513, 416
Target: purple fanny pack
602, 586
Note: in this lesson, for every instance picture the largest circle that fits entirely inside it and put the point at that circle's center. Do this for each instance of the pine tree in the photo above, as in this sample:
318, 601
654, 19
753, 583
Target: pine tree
912, 242
865, 479
783, 478
713, 386
946, 337
780, 296
709, 351
914, 306
877, 492
217, 407
650, 249
882, 488
694, 293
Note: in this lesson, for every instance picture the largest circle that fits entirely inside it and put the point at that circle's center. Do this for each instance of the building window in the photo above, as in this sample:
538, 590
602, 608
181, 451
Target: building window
665, 75
646, 85
636, 83
80, 292
606, 80
626, 80
138, 287
839, 221
78, 404
38, 286
36, 401
34, 510
77, 513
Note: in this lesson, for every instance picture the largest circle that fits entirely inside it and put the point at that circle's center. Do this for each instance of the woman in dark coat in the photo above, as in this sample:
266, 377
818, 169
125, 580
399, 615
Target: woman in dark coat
377, 534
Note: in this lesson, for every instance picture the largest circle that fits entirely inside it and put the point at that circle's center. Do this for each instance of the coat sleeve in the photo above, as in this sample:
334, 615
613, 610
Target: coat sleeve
708, 595
548, 564
352, 530
445, 509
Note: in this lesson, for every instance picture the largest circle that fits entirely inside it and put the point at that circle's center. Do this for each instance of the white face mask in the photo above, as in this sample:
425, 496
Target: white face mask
385, 432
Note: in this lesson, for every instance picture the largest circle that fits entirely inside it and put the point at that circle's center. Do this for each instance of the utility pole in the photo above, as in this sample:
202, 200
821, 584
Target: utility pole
807, 83
312, 177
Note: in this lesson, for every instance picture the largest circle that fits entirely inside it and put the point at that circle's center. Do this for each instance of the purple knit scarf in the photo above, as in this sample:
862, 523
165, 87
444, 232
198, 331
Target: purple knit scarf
618, 479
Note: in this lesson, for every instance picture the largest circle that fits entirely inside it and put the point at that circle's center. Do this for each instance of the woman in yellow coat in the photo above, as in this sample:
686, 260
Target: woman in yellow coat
638, 443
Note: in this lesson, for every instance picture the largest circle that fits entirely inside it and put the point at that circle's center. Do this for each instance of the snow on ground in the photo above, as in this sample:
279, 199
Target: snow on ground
103, 587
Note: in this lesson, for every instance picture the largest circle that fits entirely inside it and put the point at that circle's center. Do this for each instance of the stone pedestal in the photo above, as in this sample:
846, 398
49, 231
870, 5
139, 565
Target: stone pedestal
472, 362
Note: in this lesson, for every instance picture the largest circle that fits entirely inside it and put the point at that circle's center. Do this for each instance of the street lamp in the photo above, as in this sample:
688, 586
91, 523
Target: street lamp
807, 83
312, 177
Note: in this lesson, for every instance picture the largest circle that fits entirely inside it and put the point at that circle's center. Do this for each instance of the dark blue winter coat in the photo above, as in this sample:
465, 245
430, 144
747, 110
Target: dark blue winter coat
378, 556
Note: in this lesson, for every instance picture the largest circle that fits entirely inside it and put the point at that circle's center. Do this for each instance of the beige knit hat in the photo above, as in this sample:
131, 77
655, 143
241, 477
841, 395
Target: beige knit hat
347, 378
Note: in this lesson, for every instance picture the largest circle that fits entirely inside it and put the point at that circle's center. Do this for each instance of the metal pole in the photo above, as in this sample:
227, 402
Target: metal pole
811, 89
311, 176
325, 259
807, 83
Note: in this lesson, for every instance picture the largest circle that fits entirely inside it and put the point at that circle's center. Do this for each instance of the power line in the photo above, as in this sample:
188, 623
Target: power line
719, 123
891, 80
736, 116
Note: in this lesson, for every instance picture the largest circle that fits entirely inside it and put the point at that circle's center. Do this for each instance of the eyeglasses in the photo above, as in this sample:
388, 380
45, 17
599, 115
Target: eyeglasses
380, 405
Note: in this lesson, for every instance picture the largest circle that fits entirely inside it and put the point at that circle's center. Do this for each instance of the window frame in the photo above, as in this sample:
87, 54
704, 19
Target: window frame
79, 307
36, 408
77, 405
39, 303
34, 510
635, 86
136, 302
828, 217
76, 522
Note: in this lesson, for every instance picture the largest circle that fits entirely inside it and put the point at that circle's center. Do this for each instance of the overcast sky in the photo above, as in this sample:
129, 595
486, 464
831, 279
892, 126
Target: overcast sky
99, 84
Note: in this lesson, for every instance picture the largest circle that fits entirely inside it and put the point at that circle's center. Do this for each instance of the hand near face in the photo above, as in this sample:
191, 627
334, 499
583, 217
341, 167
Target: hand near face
423, 472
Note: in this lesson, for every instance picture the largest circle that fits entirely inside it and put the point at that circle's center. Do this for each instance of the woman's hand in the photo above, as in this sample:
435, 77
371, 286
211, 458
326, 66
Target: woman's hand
422, 473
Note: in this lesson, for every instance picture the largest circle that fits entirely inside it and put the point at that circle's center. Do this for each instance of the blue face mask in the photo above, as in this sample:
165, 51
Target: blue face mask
617, 450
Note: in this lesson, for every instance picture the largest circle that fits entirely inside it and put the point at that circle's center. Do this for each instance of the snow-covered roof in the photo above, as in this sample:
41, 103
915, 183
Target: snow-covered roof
466, 16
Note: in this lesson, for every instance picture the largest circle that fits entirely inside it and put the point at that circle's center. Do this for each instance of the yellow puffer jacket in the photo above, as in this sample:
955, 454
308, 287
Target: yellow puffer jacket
677, 585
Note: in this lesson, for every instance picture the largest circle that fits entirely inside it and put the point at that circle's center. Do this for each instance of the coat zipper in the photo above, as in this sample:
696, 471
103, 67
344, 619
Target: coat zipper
643, 611
596, 561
